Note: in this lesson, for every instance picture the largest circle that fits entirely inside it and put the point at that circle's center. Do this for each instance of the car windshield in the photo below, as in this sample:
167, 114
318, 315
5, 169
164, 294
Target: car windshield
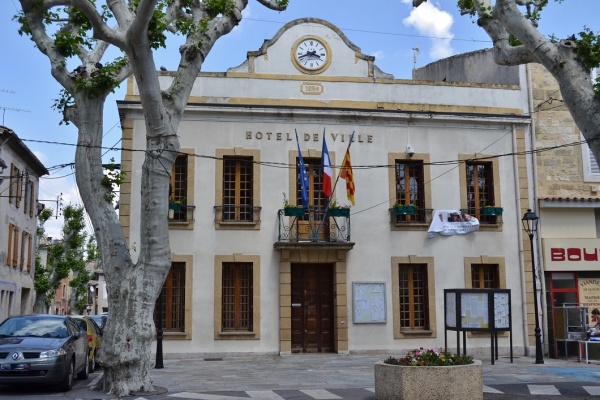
37, 327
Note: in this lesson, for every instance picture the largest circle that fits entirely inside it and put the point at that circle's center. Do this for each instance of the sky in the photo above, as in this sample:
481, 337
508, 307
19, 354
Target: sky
399, 36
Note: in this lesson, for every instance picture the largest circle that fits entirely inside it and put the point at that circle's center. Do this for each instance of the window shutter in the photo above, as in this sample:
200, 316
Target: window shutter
593, 167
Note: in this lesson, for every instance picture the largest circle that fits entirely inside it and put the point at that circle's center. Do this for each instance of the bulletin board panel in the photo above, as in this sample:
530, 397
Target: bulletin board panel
368, 302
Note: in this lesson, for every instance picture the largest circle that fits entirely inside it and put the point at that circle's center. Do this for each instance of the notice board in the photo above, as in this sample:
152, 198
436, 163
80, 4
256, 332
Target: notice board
368, 302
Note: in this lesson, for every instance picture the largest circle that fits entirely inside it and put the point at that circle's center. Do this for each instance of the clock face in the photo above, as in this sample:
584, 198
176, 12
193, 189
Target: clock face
311, 54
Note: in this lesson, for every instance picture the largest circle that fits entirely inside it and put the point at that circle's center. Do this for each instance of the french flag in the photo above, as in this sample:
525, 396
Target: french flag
327, 171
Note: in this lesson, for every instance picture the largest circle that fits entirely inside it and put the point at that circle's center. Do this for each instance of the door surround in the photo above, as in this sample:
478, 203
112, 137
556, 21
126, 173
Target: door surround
307, 255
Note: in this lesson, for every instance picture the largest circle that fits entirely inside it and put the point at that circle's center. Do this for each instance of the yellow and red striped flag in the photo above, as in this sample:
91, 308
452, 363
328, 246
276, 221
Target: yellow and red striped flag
346, 174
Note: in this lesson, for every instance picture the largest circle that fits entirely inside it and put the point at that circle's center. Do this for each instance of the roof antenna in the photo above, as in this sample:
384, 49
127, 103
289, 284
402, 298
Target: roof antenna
416, 52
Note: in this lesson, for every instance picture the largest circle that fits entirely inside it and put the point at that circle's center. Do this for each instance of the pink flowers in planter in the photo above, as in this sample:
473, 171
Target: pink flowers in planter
431, 357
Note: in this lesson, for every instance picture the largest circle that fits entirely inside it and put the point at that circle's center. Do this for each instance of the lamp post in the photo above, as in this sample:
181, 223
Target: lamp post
530, 221
159, 335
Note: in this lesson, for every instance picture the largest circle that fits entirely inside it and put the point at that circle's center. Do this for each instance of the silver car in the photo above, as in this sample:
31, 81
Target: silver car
45, 349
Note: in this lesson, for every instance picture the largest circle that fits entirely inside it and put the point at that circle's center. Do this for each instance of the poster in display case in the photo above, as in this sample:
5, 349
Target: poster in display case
478, 310
368, 302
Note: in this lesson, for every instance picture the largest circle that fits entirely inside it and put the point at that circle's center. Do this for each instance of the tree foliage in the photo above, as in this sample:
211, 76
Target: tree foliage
75, 35
65, 258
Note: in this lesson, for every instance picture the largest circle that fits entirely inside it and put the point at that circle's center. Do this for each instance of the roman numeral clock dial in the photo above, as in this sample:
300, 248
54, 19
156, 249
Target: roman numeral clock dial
311, 55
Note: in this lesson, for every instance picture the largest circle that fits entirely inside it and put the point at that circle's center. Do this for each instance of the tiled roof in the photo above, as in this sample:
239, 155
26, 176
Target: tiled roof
580, 199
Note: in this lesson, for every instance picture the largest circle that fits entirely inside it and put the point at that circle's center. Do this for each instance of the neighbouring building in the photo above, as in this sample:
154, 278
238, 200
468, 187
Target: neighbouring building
246, 277
565, 196
20, 174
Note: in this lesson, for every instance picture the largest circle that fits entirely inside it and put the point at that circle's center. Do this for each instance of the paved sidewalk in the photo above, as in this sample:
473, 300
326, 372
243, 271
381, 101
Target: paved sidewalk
330, 371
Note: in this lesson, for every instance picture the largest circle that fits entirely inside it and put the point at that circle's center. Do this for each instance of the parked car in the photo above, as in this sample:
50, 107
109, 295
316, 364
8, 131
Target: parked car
47, 349
100, 319
94, 336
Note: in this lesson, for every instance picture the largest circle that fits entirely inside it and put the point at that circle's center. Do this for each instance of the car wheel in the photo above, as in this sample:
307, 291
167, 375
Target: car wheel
67, 382
92, 359
85, 372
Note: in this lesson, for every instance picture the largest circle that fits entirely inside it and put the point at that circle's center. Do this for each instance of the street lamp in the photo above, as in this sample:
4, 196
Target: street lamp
530, 221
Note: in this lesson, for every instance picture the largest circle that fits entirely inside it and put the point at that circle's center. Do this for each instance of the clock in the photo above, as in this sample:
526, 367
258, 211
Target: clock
311, 54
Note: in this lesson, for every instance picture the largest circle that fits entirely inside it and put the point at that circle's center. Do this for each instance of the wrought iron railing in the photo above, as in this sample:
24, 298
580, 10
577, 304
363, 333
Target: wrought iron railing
181, 214
313, 225
237, 214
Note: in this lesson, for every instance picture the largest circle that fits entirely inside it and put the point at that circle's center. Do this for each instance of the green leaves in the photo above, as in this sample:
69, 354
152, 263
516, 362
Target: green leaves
112, 178
216, 7
588, 52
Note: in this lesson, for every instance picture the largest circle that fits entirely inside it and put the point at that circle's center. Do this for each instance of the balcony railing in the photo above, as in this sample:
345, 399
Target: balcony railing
485, 215
312, 225
237, 214
181, 214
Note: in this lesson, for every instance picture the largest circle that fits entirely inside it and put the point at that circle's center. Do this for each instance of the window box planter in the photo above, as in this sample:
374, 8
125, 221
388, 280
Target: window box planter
176, 207
339, 212
405, 210
456, 382
491, 211
293, 211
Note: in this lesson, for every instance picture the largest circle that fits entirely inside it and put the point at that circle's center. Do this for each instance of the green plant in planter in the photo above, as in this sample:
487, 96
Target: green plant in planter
291, 211
429, 358
336, 210
403, 209
175, 205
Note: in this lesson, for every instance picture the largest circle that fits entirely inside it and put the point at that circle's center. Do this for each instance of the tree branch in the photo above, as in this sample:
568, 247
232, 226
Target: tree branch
273, 4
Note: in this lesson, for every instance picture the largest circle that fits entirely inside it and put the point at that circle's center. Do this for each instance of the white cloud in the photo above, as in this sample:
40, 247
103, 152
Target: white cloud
434, 23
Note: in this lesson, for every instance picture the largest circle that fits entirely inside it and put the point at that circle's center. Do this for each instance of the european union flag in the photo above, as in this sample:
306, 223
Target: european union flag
303, 176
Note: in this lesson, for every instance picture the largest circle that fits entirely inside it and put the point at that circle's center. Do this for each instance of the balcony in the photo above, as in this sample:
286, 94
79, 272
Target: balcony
312, 226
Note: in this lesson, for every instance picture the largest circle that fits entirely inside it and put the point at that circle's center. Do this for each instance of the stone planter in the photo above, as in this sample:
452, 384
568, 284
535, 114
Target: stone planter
460, 382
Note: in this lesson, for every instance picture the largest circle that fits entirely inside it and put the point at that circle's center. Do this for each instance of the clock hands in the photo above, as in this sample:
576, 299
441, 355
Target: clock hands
311, 54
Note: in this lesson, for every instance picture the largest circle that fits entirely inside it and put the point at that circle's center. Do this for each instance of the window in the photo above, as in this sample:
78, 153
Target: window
28, 198
414, 296
237, 297
178, 188
485, 272
410, 189
485, 276
591, 170
480, 189
172, 297
237, 284
237, 189
316, 197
